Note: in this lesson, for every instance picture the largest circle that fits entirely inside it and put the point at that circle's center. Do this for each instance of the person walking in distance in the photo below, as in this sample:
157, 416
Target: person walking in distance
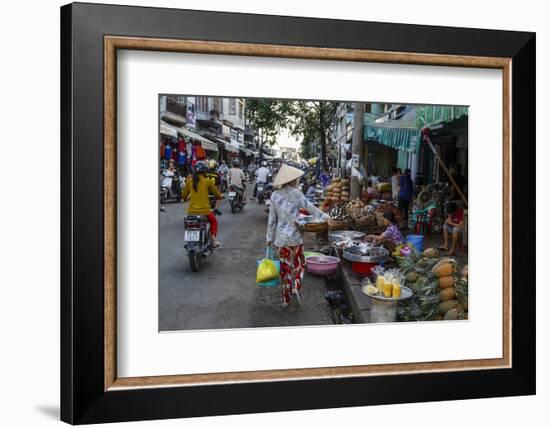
405, 193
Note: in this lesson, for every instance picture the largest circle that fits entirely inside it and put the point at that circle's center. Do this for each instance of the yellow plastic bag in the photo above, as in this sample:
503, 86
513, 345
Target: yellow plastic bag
267, 270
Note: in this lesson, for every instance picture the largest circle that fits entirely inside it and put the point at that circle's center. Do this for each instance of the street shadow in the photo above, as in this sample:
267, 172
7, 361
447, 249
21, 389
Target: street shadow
50, 411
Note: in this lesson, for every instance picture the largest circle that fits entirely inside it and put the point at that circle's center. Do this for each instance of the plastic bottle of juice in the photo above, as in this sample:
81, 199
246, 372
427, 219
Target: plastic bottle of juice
388, 287
380, 283
396, 289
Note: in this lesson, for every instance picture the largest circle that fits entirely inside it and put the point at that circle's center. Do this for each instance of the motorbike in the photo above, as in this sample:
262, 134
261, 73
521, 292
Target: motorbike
223, 181
171, 187
235, 196
260, 192
198, 240
267, 195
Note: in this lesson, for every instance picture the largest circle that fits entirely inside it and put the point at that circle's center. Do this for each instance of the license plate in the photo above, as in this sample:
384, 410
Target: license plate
232, 194
268, 202
260, 189
192, 235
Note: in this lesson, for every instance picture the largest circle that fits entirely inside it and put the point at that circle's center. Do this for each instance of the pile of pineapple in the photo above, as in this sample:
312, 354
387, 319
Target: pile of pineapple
440, 293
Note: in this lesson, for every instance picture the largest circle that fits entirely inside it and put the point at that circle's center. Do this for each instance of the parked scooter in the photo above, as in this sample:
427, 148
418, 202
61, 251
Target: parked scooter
235, 197
171, 186
198, 240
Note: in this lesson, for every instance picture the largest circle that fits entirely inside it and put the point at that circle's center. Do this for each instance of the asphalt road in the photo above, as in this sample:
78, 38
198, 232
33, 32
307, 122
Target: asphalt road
223, 294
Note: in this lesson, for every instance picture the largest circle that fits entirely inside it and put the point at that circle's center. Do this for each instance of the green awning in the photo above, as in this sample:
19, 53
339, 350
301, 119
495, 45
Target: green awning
397, 134
429, 115
404, 134
396, 138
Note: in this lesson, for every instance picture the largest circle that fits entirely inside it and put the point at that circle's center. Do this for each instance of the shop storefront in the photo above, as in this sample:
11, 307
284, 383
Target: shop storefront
229, 152
184, 146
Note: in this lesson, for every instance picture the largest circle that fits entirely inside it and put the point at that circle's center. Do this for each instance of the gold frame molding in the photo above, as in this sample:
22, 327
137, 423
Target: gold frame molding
113, 43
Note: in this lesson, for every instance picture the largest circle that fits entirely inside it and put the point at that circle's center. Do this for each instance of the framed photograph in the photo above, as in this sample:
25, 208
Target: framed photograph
267, 213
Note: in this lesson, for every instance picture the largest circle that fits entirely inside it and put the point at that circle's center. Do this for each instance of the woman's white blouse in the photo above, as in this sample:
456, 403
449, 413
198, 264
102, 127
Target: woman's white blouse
283, 213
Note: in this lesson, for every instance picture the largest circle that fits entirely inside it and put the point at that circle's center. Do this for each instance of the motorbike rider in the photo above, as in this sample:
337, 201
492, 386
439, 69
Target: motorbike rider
262, 176
199, 188
223, 171
213, 176
237, 178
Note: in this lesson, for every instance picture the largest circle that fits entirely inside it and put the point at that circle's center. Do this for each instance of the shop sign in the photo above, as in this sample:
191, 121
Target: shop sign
191, 118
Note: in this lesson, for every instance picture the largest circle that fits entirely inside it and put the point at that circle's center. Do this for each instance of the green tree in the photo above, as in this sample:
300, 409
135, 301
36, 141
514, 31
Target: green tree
267, 117
312, 120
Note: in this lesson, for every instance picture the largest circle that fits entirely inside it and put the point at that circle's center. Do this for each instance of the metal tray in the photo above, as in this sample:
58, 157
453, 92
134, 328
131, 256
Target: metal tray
375, 255
406, 293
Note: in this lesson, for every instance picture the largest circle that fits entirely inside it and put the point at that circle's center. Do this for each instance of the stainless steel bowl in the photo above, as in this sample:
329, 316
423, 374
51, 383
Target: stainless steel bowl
342, 235
366, 255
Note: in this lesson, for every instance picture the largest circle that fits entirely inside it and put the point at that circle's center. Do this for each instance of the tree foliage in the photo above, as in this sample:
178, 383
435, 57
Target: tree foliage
267, 116
312, 120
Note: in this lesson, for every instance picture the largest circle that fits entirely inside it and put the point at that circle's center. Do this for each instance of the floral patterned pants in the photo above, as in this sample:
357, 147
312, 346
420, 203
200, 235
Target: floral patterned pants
292, 270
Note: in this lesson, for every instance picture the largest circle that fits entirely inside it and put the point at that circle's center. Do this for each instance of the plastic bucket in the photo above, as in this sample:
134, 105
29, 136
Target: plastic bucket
417, 241
363, 268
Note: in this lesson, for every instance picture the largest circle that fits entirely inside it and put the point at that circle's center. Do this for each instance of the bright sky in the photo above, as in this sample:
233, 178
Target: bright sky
284, 139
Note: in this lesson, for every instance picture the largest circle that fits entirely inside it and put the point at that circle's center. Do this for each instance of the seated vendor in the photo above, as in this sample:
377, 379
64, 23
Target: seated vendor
454, 225
391, 237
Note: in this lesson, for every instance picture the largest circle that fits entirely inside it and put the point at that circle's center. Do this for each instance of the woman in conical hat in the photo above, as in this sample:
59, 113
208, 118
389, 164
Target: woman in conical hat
283, 233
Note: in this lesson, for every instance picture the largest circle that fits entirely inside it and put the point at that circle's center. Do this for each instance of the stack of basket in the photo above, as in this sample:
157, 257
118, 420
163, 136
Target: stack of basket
312, 227
334, 224
344, 195
337, 191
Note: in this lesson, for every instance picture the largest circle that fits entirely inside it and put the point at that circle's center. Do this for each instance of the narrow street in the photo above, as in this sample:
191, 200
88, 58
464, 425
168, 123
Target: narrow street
223, 294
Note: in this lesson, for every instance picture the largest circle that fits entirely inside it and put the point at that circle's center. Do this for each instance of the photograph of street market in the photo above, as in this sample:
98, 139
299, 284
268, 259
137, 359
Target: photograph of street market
277, 212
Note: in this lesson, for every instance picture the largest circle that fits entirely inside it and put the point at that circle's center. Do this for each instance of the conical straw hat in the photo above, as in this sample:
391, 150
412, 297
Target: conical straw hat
287, 174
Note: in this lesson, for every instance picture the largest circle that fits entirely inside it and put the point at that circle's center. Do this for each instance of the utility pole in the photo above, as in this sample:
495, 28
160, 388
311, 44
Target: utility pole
323, 135
357, 149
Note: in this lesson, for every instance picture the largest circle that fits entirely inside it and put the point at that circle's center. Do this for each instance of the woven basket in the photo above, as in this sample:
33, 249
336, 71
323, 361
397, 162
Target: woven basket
312, 227
364, 223
379, 215
338, 224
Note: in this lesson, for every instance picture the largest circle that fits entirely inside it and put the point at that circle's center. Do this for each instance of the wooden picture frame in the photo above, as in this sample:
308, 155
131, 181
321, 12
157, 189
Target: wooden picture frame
91, 390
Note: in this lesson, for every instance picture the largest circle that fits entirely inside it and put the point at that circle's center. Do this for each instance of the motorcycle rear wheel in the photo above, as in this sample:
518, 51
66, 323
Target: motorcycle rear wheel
194, 260
233, 207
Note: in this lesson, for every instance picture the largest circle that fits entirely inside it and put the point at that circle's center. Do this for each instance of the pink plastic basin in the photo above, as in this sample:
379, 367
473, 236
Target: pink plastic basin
322, 265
